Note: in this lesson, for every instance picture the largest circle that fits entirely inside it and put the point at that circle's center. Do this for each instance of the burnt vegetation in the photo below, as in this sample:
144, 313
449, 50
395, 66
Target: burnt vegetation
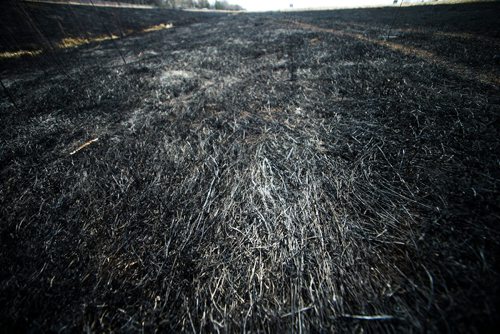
317, 171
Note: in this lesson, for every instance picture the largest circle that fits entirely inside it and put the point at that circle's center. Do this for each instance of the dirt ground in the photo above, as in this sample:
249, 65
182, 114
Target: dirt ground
277, 172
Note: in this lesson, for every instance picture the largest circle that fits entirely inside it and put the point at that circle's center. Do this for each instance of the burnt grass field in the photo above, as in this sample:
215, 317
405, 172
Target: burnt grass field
328, 171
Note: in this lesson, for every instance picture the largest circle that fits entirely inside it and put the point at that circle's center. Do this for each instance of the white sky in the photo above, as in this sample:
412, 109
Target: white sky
297, 4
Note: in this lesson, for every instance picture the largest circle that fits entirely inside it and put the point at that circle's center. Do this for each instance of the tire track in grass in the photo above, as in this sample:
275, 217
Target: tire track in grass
460, 70
427, 31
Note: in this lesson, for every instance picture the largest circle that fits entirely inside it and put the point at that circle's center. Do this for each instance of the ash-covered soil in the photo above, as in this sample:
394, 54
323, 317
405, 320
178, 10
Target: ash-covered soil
322, 171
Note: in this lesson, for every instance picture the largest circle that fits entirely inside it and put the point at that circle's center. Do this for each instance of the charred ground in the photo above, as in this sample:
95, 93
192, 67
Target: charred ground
266, 172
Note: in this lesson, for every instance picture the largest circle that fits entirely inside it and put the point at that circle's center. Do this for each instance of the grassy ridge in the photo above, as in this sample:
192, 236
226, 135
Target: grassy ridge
32, 26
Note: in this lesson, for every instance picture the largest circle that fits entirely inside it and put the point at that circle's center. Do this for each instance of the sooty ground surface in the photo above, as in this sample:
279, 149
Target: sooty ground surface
321, 171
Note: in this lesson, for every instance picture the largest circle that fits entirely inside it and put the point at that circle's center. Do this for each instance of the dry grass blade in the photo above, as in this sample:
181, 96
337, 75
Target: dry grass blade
83, 146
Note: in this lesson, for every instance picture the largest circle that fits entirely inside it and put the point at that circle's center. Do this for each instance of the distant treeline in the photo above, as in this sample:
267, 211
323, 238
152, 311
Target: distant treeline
222, 5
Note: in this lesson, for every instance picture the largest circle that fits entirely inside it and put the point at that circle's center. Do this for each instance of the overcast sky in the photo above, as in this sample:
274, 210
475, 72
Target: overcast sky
285, 4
